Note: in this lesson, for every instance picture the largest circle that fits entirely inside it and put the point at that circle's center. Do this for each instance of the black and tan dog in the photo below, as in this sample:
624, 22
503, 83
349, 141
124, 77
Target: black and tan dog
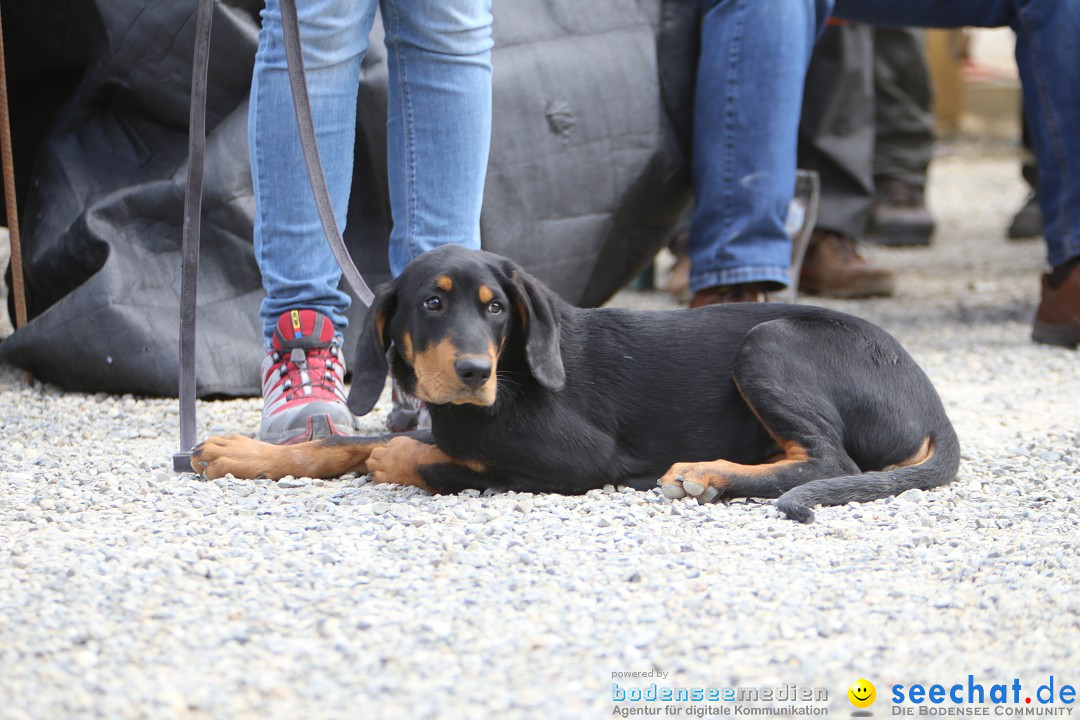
530, 394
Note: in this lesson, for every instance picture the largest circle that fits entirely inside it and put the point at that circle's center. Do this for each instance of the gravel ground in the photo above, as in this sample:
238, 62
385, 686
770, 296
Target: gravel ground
126, 591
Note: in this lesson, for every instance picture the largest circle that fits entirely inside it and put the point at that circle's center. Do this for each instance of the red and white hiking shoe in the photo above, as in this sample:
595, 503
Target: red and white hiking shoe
303, 391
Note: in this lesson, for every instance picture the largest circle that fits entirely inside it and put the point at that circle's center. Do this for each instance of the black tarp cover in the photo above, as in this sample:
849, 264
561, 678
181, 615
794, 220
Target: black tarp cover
588, 172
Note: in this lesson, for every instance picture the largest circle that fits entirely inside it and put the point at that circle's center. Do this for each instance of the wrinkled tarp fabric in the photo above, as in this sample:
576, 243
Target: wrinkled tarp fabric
587, 177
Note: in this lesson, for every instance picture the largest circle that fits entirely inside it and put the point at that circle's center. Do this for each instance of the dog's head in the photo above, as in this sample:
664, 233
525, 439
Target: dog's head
450, 317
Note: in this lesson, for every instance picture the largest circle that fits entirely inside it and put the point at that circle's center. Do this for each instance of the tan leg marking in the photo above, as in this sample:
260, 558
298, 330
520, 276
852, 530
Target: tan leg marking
444, 283
248, 458
697, 478
924, 453
399, 462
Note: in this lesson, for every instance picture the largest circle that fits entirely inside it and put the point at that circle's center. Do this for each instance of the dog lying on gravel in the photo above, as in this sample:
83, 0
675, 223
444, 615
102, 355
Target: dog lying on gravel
527, 393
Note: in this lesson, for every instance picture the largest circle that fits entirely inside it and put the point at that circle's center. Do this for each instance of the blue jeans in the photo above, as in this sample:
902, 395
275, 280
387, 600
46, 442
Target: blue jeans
439, 128
754, 55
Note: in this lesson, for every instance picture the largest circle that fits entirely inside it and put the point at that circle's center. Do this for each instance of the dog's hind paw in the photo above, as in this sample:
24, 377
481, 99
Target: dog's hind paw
676, 484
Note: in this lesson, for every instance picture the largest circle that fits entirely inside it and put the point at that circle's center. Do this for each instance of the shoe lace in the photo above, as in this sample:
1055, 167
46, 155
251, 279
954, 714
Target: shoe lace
318, 369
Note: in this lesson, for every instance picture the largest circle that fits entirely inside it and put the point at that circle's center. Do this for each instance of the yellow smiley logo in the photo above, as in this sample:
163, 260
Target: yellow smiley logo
862, 693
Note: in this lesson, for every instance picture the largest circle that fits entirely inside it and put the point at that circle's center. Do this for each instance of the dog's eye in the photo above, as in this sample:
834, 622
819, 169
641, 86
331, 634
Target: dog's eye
495, 307
433, 303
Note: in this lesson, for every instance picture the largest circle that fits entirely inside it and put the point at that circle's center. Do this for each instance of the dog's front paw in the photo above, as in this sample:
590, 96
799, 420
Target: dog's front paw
688, 479
241, 456
398, 462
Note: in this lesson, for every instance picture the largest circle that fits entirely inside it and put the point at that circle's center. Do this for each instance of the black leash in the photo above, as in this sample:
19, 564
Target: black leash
189, 271
189, 254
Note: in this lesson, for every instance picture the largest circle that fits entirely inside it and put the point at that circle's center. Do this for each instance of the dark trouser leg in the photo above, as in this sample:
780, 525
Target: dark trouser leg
836, 133
905, 125
905, 138
836, 138
1027, 223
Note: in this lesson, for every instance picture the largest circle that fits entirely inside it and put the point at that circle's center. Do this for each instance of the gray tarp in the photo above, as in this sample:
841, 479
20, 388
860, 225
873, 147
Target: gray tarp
588, 171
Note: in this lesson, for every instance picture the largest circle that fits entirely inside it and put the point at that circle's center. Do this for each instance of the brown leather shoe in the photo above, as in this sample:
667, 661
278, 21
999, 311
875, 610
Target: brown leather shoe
834, 268
900, 216
1057, 321
742, 292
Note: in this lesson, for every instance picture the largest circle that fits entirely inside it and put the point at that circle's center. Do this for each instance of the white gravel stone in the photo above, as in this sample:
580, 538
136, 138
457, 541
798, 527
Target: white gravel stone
128, 592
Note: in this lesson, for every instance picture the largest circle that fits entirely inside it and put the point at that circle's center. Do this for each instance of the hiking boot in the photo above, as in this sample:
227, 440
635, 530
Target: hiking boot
1057, 321
303, 391
406, 412
1028, 221
834, 268
899, 216
721, 294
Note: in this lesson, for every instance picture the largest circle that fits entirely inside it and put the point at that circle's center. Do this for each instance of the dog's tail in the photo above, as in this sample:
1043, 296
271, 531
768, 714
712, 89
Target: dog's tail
938, 469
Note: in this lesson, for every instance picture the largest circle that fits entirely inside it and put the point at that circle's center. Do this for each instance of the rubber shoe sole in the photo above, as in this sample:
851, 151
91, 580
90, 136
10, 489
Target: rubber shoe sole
900, 237
317, 426
1060, 335
869, 288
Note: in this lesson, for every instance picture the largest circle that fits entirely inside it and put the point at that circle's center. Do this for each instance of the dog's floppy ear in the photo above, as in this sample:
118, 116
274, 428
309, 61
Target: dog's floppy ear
538, 311
370, 366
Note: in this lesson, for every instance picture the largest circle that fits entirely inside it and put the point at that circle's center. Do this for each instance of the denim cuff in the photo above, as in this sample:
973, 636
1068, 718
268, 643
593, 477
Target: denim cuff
1061, 253
734, 276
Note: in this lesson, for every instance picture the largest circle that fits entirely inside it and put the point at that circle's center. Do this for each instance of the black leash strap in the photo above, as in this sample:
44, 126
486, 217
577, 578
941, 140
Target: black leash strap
193, 202
189, 268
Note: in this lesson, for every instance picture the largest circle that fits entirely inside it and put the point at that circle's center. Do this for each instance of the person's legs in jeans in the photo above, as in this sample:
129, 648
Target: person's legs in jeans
440, 69
1045, 29
298, 270
439, 57
304, 310
746, 112
439, 128
438, 134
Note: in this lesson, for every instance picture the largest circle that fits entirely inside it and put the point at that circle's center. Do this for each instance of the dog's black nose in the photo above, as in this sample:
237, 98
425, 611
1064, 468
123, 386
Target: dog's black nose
473, 371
